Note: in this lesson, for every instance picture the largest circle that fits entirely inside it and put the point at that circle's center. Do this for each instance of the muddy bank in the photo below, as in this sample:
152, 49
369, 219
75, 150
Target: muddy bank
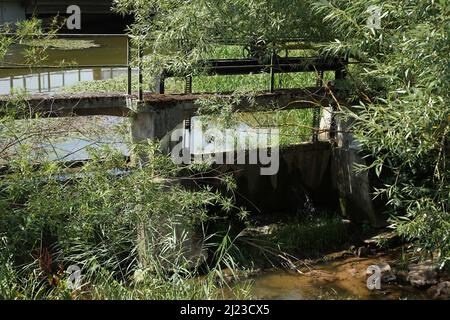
344, 278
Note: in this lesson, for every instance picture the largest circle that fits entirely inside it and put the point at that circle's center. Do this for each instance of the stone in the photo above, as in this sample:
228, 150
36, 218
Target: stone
387, 275
441, 290
402, 276
385, 239
423, 275
384, 268
362, 252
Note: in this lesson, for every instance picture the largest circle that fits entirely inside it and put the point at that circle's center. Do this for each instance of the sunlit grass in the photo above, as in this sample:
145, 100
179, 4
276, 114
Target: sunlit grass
295, 125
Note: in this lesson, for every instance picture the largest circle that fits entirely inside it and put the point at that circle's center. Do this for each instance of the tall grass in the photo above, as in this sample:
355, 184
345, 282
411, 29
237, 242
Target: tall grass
133, 234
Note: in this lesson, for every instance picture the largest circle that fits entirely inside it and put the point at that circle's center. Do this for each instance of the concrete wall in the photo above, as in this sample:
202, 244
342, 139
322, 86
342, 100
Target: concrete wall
96, 16
305, 169
354, 188
321, 170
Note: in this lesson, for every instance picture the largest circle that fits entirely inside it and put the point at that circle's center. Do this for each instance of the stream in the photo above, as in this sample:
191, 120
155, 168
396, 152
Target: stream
105, 51
340, 279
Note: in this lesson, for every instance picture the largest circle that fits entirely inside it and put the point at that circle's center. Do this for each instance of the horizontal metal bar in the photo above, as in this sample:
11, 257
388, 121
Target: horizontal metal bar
72, 35
277, 69
281, 60
281, 65
64, 67
217, 40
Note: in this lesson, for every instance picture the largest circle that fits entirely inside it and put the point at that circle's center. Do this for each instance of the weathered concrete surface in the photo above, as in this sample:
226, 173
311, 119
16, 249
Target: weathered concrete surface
157, 115
317, 169
155, 121
84, 104
326, 124
186, 244
64, 105
304, 169
285, 98
354, 188
323, 171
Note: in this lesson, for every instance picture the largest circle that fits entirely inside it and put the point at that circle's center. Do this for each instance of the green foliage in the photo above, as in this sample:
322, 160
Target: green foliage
402, 122
130, 230
223, 112
111, 223
308, 237
131, 226
180, 33
30, 32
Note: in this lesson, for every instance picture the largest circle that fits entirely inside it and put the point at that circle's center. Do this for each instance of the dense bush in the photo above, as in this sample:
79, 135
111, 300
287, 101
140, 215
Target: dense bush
180, 33
402, 121
401, 77
112, 224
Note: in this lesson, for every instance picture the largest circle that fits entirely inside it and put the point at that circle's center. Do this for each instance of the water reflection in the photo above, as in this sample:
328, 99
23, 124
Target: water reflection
53, 81
65, 139
77, 149
340, 279
103, 51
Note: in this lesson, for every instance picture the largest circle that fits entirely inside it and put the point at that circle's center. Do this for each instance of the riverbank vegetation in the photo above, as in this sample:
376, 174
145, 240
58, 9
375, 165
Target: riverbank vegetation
148, 230
131, 226
403, 121
399, 77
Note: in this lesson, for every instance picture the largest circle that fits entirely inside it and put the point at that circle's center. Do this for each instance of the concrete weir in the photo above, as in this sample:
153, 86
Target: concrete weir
304, 169
354, 188
322, 169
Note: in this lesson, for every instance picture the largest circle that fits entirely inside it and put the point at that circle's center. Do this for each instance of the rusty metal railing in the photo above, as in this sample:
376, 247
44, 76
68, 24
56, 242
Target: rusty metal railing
214, 67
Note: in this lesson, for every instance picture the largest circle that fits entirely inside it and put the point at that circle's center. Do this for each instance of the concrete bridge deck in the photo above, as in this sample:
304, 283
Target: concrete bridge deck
119, 104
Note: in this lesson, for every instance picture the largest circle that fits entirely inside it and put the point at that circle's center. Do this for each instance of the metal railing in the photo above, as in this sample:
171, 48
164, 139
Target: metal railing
214, 67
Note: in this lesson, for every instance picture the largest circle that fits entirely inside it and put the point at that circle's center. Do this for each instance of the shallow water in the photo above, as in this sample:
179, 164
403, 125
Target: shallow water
340, 279
69, 139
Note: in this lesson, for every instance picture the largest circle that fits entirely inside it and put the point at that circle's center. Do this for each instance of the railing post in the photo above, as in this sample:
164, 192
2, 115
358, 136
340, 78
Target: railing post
129, 82
140, 53
159, 84
316, 111
319, 82
272, 74
188, 85
341, 73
